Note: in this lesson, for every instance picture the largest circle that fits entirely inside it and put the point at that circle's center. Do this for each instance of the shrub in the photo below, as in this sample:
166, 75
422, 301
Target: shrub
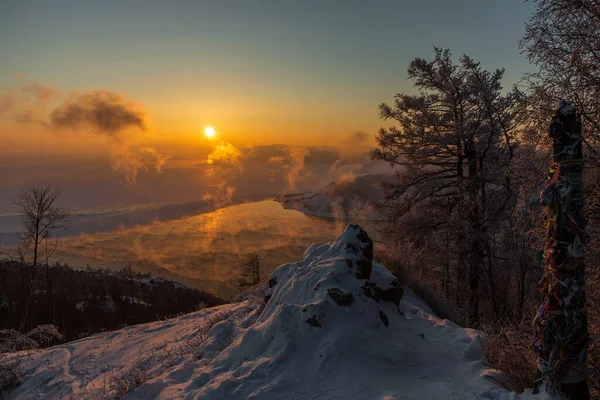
508, 349
152, 362
14, 347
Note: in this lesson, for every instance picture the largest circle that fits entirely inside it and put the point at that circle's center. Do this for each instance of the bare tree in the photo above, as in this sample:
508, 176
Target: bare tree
562, 39
41, 218
48, 253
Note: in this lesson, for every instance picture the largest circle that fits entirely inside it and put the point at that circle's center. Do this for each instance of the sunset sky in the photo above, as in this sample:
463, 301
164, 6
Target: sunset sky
301, 72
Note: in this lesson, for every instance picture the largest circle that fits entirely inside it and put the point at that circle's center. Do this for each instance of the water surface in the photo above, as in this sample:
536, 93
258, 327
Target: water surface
206, 250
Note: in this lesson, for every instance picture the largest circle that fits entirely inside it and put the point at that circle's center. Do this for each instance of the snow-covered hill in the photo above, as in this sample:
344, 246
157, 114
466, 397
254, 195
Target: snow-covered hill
351, 197
336, 325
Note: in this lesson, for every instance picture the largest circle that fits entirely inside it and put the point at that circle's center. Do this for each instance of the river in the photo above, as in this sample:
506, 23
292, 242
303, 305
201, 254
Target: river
205, 251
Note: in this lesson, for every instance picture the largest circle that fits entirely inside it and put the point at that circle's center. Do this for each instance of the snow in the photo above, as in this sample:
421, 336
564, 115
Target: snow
83, 367
145, 279
135, 300
108, 304
361, 349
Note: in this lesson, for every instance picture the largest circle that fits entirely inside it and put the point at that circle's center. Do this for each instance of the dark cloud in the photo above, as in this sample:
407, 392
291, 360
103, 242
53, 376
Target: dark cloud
359, 137
104, 112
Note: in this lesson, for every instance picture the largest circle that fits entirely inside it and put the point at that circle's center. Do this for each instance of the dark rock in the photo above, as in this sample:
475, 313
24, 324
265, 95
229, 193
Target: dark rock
340, 297
365, 253
267, 298
394, 293
352, 247
364, 268
384, 318
272, 282
371, 290
313, 322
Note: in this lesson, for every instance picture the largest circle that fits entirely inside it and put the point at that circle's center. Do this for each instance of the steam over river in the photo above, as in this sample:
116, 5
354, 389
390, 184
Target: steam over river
206, 250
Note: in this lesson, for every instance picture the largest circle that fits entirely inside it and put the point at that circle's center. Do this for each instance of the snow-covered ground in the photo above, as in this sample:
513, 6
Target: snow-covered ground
333, 328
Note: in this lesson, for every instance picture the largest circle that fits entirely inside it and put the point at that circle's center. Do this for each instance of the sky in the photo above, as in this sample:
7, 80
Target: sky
106, 94
259, 71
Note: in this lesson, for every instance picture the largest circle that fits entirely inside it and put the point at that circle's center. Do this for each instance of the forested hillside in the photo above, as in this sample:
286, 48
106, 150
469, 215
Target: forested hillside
83, 302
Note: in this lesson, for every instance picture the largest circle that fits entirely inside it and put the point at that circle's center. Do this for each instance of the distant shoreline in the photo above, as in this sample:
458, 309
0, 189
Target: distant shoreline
82, 223
291, 202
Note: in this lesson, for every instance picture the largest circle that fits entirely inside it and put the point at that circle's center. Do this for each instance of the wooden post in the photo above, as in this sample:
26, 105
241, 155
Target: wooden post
561, 337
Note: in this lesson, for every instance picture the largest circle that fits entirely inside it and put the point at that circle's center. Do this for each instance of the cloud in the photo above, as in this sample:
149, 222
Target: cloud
104, 112
224, 166
224, 194
28, 116
150, 156
276, 160
347, 177
101, 112
40, 92
129, 161
7, 101
29, 103
110, 114
359, 137
227, 153
298, 172
221, 194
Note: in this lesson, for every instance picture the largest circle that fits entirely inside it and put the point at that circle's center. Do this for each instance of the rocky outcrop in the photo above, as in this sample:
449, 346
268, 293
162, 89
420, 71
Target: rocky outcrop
341, 273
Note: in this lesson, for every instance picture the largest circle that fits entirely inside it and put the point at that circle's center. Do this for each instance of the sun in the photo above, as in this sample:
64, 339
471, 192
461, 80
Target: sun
209, 131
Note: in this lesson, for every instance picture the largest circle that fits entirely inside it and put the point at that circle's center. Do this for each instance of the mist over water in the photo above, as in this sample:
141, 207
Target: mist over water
172, 224
206, 250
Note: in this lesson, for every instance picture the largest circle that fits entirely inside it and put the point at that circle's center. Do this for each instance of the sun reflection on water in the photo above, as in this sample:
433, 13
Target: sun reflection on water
205, 250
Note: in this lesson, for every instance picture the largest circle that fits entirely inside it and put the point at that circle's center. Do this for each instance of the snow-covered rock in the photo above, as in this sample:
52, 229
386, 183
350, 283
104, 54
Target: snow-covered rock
335, 325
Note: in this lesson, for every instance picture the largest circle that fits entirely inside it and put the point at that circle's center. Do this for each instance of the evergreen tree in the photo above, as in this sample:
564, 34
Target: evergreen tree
453, 148
250, 271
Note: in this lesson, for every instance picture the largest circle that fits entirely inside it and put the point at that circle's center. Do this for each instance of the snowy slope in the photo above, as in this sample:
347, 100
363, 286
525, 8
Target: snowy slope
333, 328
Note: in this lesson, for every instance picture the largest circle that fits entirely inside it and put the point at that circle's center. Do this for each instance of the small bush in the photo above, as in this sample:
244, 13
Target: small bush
42, 335
508, 349
152, 362
11, 373
14, 347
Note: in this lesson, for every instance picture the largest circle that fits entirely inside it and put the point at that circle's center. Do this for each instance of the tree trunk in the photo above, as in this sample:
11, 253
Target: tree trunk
49, 293
29, 293
132, 294
475, 233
